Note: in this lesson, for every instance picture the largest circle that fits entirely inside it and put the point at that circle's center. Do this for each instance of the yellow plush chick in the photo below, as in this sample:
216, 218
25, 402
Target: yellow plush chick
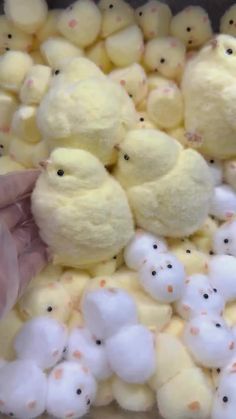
97, 53
192, 26
230, 173
203, 238
165, 107
154, 19
165, 56
8, 105
35, 84
24, 124
161, 180
104, 394
14, 65
49, 27
188, 395
56, 50
9, 327
209, 93
133, 397
93, 114
12, 38
29, 155
7, 164
228, 21
27, 15
126, 46
80, 23
171, 359
116, 15
134, 81
194, 261
94, 223
74, 282
46, 299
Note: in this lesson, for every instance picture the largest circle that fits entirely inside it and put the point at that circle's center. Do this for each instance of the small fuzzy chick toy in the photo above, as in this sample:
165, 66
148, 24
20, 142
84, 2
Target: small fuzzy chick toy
192, 26
41, 340
71, 390
102, 314
223, 266
12, 38
27, 15
93, 114
209, 94
228, 21
80, 23
194, 261
94, 223
14, 66
83, 347
161, 180
154, 19
57, 50
199, 298
116, 15
35, 84
223, 203
210, 341
23, 390
224, 403
165, 56
224, 239
134, 81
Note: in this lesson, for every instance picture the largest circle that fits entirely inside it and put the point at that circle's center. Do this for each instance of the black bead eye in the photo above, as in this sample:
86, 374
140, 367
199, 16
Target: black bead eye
214, 289
231, 22
206, 296
155, 246
212, 161
226, 241
130, 95
7, 49
154, 273
1, 146
9, 36
126, 157
56, 72
218, 370
79, 391
140, 13
11, 414
111, 6
218, 325
162, 60
188, 251
64, 350
229, 51
188, 29
60, 172
211, 253
169, 266
49, 309
190, 42
141, 119
88, 402
225, 399
115, 257
98, 342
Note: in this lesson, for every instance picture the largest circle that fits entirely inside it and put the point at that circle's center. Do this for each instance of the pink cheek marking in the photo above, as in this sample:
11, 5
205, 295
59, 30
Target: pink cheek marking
206, 266
77, 354
86, 370
70, 415
73, 23
32, 405
119, 19
103, 283
154, 9
231, 346
55, 353
68, 278
58, 374
194, 331
2, 403
170, 289
205, 19
30, 83
234, 368
229, 214
204, 313
112, 291
186, 307
167, 90
173, 44
123, 82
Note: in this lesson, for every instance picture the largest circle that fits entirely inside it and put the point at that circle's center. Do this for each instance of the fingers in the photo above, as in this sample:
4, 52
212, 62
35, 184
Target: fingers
16, 213
9, 273
31, 263
24, 235
15, 186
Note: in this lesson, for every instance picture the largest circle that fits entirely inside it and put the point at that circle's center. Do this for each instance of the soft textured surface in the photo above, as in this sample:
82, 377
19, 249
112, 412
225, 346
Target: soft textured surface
14, 65
133, 397
24, 124
27, 15
223, 266
115, 18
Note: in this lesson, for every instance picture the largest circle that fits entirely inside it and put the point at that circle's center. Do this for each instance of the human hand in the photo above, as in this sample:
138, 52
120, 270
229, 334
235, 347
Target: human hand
22, 252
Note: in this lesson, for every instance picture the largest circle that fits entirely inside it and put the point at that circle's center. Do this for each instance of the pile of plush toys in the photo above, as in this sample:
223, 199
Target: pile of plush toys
130, 115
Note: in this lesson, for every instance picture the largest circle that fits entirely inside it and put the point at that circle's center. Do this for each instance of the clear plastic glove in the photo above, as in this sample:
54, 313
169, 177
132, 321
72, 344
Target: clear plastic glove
22, 253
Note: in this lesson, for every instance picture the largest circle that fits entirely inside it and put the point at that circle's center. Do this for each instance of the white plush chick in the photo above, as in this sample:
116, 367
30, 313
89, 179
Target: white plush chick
199, 298
209, 92
209, 340
162, 180
162, 276
83, 347
93, 114
223, 203
223, 266
224, 239
94, 222
141, 246
71, 390
23, 390
228, 21
192, 25
41, 340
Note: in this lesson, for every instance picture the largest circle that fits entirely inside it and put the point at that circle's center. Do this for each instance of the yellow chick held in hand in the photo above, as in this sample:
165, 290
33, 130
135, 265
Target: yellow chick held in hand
82, 212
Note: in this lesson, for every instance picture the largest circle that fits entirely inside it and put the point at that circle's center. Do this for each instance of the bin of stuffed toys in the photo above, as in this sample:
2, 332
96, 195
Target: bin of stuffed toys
127, 112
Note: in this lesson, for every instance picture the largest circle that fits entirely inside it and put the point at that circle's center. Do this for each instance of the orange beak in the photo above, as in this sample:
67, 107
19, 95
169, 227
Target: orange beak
44, 164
